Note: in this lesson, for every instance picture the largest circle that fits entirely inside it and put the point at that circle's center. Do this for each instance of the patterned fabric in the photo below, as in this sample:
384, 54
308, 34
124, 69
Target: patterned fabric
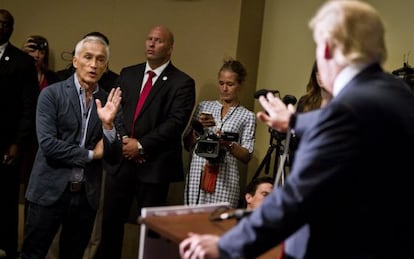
238, 119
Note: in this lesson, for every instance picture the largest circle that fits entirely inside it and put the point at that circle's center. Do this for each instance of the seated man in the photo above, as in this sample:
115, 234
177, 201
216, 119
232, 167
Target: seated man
257, 190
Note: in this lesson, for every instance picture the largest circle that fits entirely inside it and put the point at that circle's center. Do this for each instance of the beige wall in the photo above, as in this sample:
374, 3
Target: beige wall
270, 36
202, 40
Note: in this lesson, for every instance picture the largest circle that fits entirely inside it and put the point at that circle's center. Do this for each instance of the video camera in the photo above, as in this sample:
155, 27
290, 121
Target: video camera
208, 145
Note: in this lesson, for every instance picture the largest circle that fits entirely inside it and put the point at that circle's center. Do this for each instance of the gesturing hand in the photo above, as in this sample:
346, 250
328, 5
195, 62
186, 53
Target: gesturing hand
199, 247
108, 112
277, 114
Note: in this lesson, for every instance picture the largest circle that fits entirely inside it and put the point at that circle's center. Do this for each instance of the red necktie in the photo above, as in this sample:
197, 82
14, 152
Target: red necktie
144, 93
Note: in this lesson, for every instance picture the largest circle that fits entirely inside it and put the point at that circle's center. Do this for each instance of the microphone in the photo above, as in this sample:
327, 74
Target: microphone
236, 214
289, 99
263, 92
197, 126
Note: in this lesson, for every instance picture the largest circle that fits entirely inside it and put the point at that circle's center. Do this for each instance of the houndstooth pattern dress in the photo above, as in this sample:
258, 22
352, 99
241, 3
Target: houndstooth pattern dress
238, 119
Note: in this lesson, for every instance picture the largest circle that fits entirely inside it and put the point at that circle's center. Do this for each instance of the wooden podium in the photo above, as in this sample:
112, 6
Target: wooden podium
173, 223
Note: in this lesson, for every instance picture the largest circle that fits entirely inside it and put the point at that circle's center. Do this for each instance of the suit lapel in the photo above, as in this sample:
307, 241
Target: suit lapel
94, 119
74, 99
3, 65
7, 59
139, 77
75, 103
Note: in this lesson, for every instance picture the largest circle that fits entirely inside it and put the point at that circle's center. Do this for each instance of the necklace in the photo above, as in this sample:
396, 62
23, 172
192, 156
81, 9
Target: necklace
221, 123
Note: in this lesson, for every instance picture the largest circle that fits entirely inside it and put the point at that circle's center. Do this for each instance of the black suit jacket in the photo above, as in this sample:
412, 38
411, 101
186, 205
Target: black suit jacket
19, 89
350, 181
161, 122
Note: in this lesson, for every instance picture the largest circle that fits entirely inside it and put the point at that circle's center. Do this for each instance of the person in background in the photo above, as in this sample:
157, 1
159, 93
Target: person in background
76, 133
152, 141
38, 47
109, 77
217, 180
19, 89
257, 190
350, 181
316, 95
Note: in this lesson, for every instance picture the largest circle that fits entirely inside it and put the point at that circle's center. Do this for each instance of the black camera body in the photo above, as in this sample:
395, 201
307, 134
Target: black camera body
37, 44
209, 146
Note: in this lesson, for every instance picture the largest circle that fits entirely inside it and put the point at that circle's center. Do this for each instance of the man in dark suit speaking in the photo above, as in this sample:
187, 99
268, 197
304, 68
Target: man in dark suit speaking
350, 181
152, 143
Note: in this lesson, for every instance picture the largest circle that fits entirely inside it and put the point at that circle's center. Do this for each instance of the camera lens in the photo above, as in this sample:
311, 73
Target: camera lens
37, 44
209, 149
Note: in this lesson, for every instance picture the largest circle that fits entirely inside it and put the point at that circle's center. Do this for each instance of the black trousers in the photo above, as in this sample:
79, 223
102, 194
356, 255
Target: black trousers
120, 191
9, 204
76, 216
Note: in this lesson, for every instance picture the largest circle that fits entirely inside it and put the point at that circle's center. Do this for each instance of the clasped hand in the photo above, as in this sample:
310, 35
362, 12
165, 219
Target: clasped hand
11, 154
130, 150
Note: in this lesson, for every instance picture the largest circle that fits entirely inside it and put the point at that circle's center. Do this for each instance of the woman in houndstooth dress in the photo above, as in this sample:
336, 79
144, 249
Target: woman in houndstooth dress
218, 117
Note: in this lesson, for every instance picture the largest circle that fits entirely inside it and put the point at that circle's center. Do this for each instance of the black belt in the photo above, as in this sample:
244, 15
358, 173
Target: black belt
76, 186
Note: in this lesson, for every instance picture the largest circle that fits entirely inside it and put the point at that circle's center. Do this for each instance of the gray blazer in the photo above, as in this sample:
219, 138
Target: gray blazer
58, 126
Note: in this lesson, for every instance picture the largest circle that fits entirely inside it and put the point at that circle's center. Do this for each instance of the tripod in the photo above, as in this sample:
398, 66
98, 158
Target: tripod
275, 145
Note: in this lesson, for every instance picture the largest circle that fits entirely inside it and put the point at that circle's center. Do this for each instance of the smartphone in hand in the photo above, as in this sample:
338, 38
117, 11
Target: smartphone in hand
206, 118
207, 115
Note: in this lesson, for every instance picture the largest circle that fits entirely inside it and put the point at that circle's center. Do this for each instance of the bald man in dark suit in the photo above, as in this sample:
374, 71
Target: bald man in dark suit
152, 142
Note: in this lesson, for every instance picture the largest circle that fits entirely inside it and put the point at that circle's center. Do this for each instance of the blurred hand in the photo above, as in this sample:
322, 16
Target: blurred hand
199, 247
130, 150
206, 120
27, 47
277, 115
11, 154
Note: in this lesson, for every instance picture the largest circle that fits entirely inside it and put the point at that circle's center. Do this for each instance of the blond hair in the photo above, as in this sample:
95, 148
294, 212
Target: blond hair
353, 29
